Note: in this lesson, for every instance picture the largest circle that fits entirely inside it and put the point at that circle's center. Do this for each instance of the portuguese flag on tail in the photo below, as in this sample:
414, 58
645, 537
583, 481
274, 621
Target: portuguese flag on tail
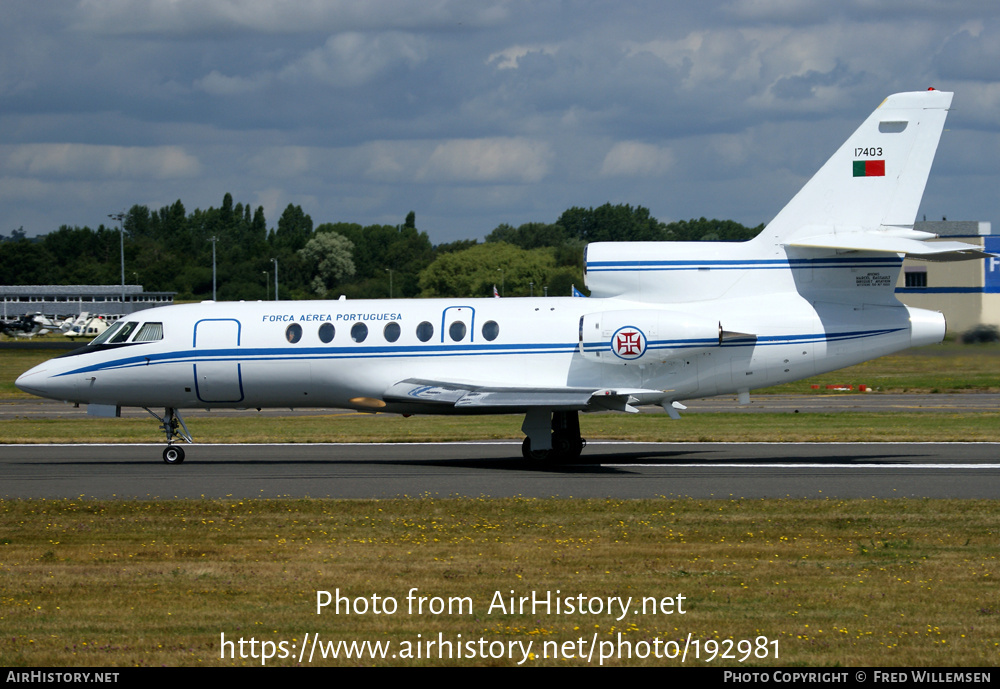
869, 168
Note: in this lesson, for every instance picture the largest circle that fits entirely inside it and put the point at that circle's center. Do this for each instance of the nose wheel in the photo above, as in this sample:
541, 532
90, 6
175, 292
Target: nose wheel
173, 455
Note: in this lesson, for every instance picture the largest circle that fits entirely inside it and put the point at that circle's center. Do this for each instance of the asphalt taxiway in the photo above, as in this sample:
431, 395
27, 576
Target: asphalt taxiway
496, 469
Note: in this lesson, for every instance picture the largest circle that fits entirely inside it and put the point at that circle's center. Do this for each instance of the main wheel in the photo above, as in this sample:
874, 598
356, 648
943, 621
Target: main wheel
173, 455
567, 449
534, 455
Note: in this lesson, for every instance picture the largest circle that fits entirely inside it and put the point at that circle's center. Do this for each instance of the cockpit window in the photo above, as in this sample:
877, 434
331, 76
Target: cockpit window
103, 337
123, 333
149, 332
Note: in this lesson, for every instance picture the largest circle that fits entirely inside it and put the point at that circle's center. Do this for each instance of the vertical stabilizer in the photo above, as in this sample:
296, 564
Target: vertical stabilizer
875, 181
840, 239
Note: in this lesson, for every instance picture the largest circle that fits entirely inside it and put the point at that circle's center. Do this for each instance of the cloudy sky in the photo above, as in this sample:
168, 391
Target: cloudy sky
474, 113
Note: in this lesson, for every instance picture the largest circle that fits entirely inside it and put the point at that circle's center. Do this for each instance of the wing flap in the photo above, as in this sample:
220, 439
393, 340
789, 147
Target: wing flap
434, 392
530, 397
482, 397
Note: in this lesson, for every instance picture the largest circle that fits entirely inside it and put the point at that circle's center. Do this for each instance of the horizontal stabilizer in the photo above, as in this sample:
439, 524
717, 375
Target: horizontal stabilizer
887, 243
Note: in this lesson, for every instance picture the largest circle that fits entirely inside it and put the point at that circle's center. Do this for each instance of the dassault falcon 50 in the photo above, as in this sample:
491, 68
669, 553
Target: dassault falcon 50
666, 321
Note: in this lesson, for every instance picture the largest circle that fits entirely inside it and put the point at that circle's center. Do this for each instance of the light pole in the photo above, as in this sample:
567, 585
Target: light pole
267, 284
389, 270
532, 286
500, 270
275, 262
213, 240
120, 217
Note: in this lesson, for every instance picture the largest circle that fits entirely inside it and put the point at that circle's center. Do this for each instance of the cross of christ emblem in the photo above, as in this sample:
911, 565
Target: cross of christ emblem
629, 343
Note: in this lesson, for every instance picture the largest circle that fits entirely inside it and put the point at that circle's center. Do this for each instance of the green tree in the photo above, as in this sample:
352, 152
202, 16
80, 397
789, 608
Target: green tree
294, 229
474, 271
24, 262
329, 254
379, 249
710, 230
607, 223
530, 235
457, 245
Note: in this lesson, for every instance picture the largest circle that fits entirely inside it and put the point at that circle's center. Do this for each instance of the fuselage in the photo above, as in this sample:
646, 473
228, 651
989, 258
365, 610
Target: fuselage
347, 353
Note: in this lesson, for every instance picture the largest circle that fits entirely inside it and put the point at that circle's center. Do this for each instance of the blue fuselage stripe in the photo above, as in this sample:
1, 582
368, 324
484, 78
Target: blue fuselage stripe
762, 264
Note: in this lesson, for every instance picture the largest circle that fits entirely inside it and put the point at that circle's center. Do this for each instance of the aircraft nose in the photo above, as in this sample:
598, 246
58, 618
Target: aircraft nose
34, 382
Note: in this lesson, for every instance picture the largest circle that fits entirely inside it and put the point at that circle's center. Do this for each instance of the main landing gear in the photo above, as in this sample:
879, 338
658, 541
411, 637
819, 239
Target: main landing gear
565, 443
172, 424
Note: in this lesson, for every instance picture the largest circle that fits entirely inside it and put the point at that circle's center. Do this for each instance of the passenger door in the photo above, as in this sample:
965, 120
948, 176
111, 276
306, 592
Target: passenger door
217, 374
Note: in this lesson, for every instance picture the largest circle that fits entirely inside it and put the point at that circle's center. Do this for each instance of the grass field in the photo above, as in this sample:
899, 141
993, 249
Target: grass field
854, 583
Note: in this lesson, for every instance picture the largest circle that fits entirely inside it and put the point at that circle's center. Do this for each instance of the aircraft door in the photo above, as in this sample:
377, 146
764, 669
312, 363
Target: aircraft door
458, 324
218, 377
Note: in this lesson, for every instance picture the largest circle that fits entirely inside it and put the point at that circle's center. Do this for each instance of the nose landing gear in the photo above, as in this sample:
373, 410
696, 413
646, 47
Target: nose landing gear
173, 426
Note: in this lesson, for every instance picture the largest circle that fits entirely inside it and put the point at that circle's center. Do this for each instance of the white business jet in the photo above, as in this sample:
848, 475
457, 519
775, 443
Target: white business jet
667, 321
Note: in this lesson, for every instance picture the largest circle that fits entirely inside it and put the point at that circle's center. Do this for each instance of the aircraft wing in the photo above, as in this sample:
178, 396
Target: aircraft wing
505, 399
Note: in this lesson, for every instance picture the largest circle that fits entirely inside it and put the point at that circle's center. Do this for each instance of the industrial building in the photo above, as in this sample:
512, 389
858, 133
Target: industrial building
65, 300
966, 292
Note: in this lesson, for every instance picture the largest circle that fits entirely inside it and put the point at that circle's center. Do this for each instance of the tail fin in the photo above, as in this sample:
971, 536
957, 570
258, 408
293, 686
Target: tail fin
876, 179
866, 196
862, 201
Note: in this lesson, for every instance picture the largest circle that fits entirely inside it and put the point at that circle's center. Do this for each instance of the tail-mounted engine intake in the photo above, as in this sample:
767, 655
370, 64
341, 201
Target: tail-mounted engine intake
640, 336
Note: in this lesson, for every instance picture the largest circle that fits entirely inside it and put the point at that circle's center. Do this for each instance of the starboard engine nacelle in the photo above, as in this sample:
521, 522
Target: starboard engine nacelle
641, 336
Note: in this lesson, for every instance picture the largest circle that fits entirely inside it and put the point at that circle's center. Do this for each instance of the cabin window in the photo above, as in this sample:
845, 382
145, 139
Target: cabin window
326, 333
391, 331
123, 334
490, 330
359, 332
456, 331
425, 331
293, 333
149, 332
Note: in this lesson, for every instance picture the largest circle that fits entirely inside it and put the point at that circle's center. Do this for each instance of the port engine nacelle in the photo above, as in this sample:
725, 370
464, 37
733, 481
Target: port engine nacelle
645, 336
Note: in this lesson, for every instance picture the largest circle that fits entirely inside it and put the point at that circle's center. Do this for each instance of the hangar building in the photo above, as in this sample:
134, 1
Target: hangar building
966, 292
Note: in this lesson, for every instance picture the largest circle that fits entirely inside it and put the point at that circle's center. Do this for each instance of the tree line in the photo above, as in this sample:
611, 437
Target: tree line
170, 250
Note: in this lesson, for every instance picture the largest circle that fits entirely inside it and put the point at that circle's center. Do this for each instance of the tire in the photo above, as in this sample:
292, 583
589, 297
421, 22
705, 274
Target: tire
173, 455
534, 455
566, 449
